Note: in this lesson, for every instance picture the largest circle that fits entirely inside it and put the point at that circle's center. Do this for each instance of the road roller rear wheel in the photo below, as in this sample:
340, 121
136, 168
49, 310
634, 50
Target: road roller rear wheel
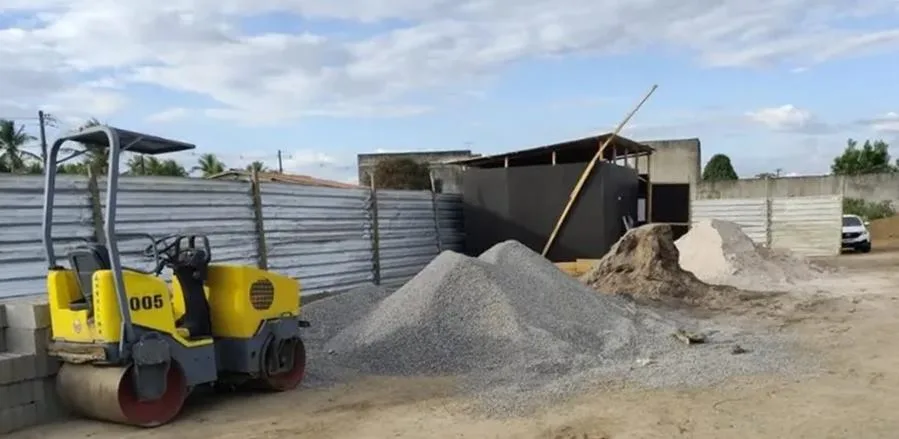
107, 393
291, 378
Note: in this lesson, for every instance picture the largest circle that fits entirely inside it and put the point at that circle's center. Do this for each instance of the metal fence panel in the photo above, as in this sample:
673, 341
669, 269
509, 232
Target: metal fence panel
750, 213
160, 206
809, 226
407, 235
24, 268
319, 235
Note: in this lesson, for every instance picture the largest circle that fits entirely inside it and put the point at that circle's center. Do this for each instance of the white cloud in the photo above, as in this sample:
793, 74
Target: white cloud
198, 46
888, 123
169, 115
788, 118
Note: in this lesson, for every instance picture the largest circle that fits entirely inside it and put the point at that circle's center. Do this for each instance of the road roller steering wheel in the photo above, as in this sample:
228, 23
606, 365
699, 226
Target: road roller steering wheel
169, 252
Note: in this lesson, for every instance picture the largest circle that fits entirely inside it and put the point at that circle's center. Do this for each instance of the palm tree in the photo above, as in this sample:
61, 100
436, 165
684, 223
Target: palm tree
149, 165
257, 166
168, 167
137, 164
209, 165
96, 158
12, 140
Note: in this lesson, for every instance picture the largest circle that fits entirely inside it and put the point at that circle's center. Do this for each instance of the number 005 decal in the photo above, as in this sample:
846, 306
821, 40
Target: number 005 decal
146, 302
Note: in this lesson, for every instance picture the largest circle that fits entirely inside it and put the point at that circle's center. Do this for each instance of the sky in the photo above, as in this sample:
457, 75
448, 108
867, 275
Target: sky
774, 84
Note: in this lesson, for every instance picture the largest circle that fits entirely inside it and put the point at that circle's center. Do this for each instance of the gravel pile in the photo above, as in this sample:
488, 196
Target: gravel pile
518, 332
461, 314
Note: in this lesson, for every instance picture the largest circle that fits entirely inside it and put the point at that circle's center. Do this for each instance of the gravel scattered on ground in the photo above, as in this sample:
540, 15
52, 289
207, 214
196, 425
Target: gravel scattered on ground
520, 333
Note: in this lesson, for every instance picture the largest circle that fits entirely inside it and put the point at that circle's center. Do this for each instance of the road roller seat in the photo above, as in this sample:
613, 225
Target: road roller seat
191, 267
85, 260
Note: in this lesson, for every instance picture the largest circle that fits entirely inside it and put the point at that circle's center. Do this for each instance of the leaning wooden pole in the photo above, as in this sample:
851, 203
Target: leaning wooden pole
588, 170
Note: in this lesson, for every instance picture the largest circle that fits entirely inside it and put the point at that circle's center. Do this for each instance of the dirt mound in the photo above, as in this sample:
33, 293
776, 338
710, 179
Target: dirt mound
720, 252
644, 264
885, 230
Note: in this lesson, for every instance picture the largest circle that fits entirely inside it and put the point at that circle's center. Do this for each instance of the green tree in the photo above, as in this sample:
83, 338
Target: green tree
33, 167
400, 173
257, 166
719, 168
209, 165
870, 158
95, 157
869, 210
12, 139
149, 165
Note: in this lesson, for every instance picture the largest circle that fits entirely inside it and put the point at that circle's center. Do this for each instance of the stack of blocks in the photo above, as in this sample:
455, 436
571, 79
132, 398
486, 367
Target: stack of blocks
27, 392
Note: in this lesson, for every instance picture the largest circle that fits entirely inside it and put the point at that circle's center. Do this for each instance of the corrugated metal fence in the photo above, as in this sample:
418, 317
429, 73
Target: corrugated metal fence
324, 237
809, 226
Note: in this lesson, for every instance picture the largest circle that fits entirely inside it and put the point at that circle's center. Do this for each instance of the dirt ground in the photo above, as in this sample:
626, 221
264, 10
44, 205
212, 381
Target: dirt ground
856, 397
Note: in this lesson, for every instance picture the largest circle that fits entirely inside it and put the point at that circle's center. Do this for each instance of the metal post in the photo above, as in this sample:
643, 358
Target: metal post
434, 210
375, 232
93, 189
49, 193
41, 121
261, 247
112, 191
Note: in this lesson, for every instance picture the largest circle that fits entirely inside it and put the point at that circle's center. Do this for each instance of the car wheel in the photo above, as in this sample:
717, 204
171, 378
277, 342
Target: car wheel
865, 248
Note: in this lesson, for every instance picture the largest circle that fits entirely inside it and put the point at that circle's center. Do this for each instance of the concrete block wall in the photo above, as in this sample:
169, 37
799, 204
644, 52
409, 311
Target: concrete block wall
27, 390
871, 187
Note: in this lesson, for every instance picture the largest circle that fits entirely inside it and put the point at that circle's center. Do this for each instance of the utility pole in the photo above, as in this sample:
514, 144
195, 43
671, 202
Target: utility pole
280, 165
40, 118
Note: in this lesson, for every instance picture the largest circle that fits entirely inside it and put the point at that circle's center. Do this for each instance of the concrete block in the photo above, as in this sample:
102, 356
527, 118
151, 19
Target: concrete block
16, 367
46, 366
29, 313
27, 341
16, 394
49, 406
18, 417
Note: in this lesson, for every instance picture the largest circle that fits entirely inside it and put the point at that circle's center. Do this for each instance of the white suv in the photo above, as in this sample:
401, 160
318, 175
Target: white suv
855, 234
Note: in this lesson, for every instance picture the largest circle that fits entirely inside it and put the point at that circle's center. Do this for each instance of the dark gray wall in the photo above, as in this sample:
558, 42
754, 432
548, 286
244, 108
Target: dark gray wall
524, 203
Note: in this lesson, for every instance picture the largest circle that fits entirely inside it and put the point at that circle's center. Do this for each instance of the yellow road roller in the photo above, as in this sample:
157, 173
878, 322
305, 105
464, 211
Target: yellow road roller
133, 348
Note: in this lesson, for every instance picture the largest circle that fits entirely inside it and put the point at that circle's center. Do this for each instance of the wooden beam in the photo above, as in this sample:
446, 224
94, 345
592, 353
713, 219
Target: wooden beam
648, 189
588, 170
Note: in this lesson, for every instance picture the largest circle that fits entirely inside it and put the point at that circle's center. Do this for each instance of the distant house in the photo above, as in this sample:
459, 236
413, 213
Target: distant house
275, 177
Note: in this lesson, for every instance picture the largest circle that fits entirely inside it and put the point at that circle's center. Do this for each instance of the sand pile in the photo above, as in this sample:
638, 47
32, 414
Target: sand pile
644, 264
720, 252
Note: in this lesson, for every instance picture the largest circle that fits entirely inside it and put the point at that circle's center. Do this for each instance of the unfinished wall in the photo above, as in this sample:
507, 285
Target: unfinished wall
449, 177
673, 161
27, 392
874, 187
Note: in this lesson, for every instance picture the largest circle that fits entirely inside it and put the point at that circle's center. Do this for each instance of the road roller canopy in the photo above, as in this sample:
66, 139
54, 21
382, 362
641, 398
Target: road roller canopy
131, 141
115, 141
